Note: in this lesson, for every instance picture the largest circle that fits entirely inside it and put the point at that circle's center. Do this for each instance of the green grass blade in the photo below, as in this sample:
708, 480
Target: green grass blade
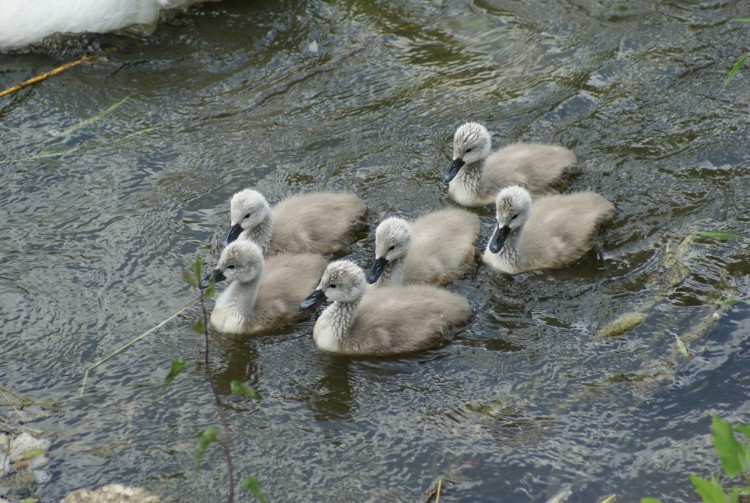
742, 19
251, 484
730, 302
240, 388
718, 235
734, 70
727, 447
710, 491
207, 437
177, 367
94, 118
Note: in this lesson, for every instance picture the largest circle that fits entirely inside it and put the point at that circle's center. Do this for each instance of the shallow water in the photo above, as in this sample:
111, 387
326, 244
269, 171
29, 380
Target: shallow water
113, 174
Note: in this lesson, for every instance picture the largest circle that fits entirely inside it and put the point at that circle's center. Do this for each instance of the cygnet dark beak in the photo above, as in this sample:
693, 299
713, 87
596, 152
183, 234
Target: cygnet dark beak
377, 270
234, 233
314, 298
453, 170
215, 275
498, 238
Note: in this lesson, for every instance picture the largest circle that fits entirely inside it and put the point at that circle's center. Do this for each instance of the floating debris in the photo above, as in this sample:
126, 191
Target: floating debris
112, 493
625, 323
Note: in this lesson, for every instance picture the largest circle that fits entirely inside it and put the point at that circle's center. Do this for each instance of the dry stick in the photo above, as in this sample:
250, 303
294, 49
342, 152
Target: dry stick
434, 492
122, 348
45, 76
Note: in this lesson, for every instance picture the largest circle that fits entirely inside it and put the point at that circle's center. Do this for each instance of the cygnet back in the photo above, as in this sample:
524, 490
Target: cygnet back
320, 222
402, 319
551, 232
475, 176
382, 321
263, 294
435, 249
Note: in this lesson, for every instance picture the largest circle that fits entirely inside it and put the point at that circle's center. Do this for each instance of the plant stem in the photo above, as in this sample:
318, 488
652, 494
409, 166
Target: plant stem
219, 405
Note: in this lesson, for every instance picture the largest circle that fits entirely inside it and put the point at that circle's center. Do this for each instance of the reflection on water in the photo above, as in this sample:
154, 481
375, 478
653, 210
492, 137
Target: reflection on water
116, 172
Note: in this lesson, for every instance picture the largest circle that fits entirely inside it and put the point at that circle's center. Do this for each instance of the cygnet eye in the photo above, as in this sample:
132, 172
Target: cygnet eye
247, 216
514, 216
468, 150
231, 266
393, 247
331, 286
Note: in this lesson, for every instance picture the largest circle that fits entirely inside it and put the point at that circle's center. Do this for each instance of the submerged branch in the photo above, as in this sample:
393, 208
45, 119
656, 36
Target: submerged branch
123, 348
51, 73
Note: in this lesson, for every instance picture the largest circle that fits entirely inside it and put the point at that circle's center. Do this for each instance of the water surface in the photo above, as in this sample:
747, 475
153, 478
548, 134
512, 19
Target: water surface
113, 174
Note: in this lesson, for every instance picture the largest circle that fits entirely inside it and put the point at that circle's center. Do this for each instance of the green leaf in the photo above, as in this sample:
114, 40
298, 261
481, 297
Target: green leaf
734, 70
197, 266
240, 388
718, 235
210, 290
731, 302
744, 429
650, 500
251, 484
199, 327
710, 491
681, 345
207, 437
188, 277
727, 447
177, 367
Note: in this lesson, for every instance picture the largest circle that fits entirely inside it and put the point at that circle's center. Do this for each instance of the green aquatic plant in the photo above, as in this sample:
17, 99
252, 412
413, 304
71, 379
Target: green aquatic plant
740, 62
251, 484
193, 275
734, 455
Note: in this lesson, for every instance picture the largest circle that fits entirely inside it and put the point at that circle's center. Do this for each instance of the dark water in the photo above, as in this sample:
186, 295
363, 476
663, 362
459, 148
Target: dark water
113, 174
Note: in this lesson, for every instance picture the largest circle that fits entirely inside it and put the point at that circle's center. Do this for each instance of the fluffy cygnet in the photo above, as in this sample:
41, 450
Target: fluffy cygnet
320, 222
475, 176
383, 321
435, 249
551, 232
263, 294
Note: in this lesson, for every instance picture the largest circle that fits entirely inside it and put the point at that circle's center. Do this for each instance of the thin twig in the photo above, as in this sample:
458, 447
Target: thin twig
62, 68
219, 405
435, 491
123, 348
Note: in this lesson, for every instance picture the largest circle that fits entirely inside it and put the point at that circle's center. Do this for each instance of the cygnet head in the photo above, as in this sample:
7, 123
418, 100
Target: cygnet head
240, 261
248, 209
392, 242
342, 281
471, 143
512, 206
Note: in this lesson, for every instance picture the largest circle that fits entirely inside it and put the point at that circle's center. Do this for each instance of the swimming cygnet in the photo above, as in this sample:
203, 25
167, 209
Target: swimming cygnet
553, 231
384, 321
264, 294
319, 222
475, 176
434, 249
